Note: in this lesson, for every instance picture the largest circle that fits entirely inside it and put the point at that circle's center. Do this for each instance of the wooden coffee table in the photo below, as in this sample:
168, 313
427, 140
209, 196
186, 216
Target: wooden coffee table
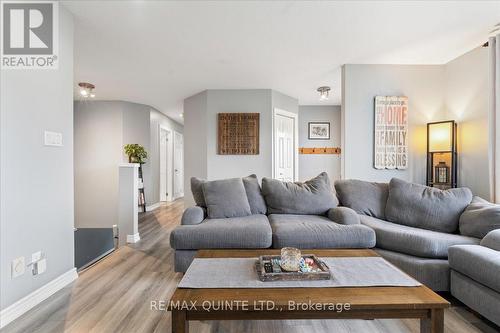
249, 304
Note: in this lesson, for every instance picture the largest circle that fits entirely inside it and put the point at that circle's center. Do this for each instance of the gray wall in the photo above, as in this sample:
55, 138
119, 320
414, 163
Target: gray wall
467, 103
424, 86
102, 128
37, 180
195, 136
311, 165
200, 125
98, 152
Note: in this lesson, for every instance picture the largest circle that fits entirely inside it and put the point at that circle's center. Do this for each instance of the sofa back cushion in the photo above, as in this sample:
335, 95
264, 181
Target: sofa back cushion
365, 198
479, 218
313, 197
226, 198
254, 195
426, 207
196, 189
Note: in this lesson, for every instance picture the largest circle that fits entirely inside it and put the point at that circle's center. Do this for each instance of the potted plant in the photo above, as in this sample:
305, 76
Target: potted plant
136, 153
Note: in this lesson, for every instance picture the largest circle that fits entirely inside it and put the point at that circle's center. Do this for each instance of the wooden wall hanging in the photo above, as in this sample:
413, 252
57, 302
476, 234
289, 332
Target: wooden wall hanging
238, 133
391, 132
320, 150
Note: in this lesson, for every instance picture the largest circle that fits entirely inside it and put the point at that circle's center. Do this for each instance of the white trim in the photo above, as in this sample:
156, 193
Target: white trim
26, 303
295, 118
133, 238
152, 207
181, 194
129, 165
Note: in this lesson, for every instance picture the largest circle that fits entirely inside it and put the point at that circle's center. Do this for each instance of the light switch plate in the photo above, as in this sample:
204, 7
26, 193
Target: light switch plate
53, 139
40, 267
18, 267
36, 256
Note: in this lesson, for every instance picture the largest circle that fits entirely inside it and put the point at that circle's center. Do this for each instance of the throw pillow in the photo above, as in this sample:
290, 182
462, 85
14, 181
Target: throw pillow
254, 195
426, 207
313, 197
197, 191
365, 198
479, 218
226, 198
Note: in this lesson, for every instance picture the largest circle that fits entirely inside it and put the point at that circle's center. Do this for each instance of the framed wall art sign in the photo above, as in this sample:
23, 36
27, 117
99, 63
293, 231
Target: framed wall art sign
238, 133
319, 130
391, 132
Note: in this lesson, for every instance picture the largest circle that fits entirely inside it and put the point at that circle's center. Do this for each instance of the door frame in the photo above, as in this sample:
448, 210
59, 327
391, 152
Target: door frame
170, 162
295, 117
173, 164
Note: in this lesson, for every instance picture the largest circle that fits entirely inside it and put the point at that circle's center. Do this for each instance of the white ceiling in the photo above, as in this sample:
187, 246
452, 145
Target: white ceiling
160, 52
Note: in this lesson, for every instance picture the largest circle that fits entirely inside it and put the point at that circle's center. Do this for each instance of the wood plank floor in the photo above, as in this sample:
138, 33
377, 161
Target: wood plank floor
114, 296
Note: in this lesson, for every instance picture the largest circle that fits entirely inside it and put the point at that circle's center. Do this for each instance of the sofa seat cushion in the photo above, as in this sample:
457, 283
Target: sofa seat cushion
245, 232
479, 263
414, 241
316, 232
426, 207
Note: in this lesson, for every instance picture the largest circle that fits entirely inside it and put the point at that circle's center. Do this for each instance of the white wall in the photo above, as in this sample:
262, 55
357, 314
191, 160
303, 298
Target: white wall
37, 180
312, 165
200, 126
466, 97
424, 86
152, 184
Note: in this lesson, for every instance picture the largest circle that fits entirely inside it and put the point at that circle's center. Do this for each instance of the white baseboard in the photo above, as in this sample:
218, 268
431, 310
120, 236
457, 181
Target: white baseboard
26, 303
152, 207
133, 238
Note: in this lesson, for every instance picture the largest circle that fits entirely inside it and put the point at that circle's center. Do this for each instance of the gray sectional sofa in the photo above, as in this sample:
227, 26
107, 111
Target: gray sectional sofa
422, 230
237, 213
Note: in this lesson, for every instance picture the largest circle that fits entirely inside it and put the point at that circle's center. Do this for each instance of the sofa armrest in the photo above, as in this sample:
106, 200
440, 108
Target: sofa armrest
193, 215
343, 215
492, 240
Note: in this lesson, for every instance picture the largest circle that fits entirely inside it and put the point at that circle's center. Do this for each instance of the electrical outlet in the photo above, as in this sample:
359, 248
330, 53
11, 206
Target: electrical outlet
18, 267
36, 256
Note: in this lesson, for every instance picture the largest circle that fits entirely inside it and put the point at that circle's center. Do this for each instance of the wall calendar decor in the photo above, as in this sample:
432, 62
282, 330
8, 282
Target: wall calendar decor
391, 132
238, 134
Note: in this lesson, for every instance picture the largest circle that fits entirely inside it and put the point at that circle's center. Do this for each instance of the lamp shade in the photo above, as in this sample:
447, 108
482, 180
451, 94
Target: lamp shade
440, 136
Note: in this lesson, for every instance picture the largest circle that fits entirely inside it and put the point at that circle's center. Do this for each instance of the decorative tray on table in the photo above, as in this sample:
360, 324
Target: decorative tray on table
311, 268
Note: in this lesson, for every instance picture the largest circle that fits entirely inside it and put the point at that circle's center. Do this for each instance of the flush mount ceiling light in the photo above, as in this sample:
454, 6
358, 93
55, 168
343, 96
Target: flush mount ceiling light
86, 89
323, 93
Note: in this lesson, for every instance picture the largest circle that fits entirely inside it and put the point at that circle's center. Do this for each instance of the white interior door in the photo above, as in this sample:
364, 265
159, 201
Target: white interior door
164, 134
178, 165
285, 147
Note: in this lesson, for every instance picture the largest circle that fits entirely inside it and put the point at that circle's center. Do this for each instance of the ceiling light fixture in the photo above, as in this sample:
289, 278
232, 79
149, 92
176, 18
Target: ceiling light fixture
323, 93
181, 115
86, 89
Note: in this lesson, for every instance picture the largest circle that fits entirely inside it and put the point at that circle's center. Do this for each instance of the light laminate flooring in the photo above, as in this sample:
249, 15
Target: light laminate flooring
114, 296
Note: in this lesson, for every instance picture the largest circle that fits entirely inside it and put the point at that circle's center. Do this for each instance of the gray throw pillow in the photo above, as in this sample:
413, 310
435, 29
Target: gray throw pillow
365, 198
254, 195
313, 197
226, 198
426, 207
479, 218
197, 191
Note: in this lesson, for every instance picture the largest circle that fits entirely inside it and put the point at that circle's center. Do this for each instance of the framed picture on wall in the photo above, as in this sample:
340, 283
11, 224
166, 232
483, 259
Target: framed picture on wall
319, 130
